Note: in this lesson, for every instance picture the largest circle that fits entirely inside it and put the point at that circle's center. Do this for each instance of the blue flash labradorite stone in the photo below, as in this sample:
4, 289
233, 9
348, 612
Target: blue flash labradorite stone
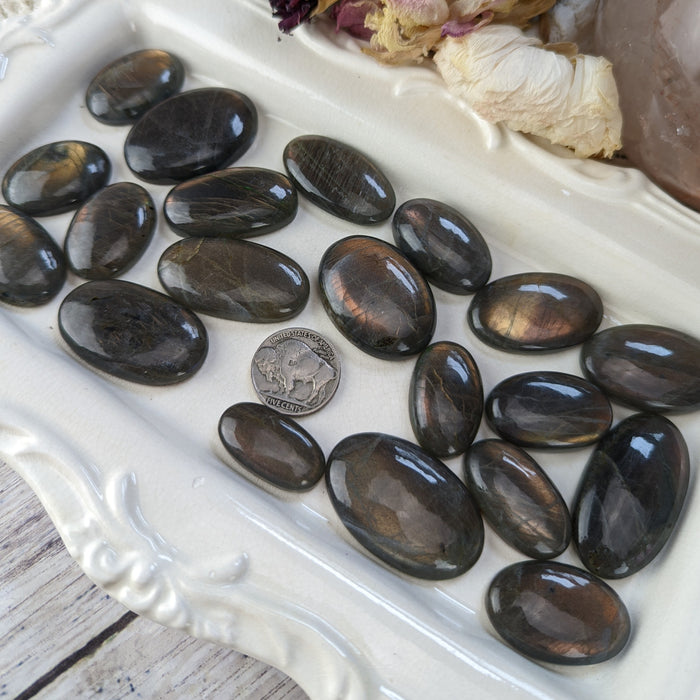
630, 495
651, 368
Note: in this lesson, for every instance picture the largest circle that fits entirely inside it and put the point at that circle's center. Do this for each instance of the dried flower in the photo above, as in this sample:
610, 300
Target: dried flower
506, 76
404, 31
484, 57
349, 15
294, 12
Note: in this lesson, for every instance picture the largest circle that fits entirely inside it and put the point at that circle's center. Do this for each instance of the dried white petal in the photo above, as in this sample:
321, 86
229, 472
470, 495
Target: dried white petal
506, 76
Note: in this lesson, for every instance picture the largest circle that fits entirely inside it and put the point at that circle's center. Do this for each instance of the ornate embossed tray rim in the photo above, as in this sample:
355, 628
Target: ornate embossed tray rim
135, 479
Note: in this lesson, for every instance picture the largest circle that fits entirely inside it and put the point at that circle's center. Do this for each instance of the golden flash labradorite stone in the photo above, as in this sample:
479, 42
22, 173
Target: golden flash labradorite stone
376, 297
535, 311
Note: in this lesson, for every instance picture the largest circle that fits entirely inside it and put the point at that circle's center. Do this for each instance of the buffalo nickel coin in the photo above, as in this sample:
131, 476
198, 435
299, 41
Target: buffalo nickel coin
295, 371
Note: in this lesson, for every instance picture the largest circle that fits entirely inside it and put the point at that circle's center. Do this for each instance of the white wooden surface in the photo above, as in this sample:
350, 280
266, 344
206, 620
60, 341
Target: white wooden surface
62, 637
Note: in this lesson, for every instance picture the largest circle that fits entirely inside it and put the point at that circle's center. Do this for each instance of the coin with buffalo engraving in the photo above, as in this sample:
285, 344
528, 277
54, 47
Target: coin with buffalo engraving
295, 371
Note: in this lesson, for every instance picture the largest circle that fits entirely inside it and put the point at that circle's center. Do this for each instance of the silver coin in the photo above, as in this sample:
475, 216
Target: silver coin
295, 371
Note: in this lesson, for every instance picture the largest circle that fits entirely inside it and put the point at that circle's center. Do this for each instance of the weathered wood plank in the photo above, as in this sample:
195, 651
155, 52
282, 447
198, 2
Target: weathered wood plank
61, 636
126, 667
48, 609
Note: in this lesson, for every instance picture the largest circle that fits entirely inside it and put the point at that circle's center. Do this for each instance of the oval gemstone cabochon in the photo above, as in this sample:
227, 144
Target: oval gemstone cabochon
535, 311
110, 231
517, 498
651, 368
548, 409
169, 144
272, 446
339, 179
557, 613
130, 85
404, 506
233, 279
132, 332
446, 399
56, 177
376, 297
630, 495
233, 203
32, 265
443, 244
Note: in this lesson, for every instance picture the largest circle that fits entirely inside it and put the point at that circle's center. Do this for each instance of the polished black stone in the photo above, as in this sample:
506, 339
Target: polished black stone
232, 203
233, 279
535, 311
517, 498
376, 297
190, 134
548, 409
272, 446
404, 506
129, 86
32, 266
446, 399
56, 177
647, 367
443, 244
132, 332
339, 179
110, 231
630, 495
557, 613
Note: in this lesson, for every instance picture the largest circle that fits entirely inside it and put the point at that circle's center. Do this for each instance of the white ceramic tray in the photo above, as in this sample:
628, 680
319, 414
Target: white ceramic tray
135, 479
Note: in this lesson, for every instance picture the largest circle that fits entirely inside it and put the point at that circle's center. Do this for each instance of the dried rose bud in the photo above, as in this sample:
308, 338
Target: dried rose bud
294, 12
